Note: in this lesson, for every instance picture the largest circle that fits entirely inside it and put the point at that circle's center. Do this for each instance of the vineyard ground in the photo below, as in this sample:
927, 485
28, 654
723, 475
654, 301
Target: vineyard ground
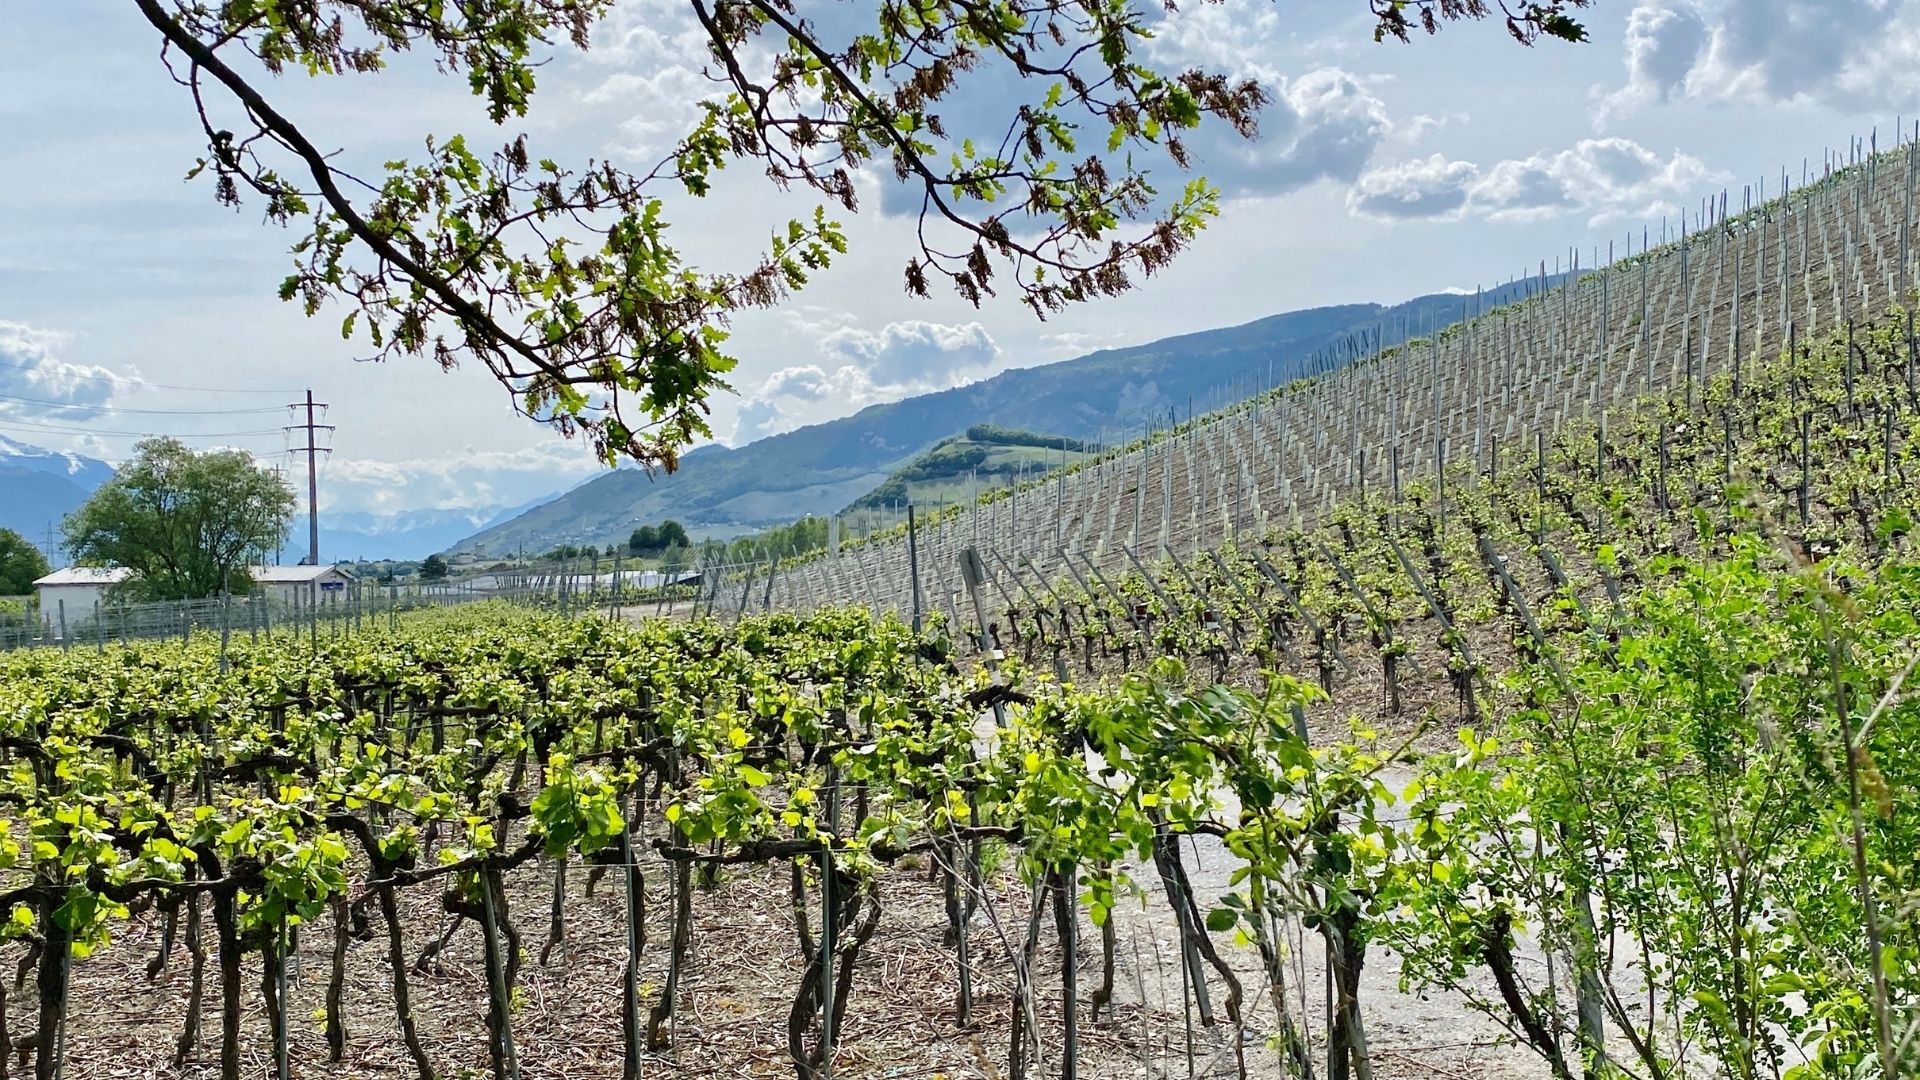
745, 963
739, 984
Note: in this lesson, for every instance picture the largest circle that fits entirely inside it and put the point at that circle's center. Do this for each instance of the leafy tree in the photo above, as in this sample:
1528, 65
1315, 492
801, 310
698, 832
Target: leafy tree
433, 568
560, 277
21, 564
183, 521
649, 540
807, 534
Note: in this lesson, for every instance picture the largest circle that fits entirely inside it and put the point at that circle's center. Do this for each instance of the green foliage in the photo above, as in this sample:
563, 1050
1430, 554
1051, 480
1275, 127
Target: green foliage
185, 522
433, 568
652, 540
562, 279
954, 470
809, 534
1691, 772
21, 564
578, 809
1000, 436
1010, 437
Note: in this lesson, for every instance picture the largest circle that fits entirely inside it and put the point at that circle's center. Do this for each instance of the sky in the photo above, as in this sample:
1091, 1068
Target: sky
131, 302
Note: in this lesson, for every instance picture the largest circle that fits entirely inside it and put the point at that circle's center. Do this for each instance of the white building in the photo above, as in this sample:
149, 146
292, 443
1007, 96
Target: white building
70, 597
311, 584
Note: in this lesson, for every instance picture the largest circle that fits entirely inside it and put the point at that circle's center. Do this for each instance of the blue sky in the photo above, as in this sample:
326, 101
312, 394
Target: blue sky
1384, 171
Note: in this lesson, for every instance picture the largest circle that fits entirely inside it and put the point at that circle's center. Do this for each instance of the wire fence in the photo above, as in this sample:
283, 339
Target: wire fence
334, 609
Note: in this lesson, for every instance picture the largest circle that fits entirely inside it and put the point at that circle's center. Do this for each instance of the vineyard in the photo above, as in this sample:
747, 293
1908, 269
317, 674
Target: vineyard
1527, 700
1746, 278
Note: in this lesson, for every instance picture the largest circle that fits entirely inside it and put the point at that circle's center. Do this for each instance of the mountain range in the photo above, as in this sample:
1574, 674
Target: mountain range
823, 469
409, 534
1110, 394
39, 487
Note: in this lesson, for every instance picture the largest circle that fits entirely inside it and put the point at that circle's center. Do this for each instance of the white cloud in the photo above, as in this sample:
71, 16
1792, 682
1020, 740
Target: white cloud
862, 367
796, 396
664, 106
1415, 127
30, 368
1324, 124
1235, 36
1602, 179
1663, 42
1078, 342
1851, 54
759, 419
915, 353
803, 385
807, 382
647, 64
472, 477
1432, 187
638, 31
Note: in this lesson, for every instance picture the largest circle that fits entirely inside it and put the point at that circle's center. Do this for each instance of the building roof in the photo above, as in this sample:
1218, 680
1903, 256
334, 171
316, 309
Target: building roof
293, 575
87, 575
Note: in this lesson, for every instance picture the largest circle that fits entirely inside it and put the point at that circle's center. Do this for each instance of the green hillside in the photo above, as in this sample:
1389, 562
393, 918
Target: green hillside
957, 469
722, 491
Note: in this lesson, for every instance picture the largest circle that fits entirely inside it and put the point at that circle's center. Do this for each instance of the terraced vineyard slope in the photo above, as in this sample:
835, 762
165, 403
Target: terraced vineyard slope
1739, 287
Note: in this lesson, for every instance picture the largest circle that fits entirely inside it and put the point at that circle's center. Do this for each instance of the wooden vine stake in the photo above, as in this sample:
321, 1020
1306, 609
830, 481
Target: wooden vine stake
499, 1000
277, 955
337, 981
634, 1044
1066, 914
829, 925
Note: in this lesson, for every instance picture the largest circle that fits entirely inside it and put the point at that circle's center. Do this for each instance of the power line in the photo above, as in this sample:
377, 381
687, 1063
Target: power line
120, 380
67, 430
151, 412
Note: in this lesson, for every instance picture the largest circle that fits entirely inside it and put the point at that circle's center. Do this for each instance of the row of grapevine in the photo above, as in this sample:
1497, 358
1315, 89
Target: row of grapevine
1742, 282
1634, 782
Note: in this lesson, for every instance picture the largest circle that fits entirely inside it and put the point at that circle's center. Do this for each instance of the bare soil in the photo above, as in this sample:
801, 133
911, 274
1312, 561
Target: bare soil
745, 966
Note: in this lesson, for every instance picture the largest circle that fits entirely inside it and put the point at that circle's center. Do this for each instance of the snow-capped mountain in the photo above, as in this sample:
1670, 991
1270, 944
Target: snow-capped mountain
407, 534
39, 487
85, 472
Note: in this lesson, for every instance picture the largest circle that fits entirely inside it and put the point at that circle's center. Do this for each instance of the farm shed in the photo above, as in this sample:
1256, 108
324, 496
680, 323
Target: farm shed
321, 584
71, 596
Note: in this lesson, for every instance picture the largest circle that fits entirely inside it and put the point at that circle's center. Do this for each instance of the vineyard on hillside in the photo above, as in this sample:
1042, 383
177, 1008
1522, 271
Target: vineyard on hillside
1593, 758
1748, 277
